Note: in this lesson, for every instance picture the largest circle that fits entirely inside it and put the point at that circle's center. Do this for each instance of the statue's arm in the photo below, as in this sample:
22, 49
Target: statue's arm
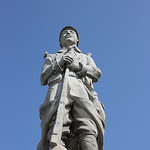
91, 70
50, 67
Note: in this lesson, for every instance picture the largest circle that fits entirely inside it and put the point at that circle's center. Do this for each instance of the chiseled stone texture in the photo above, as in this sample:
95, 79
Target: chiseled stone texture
72, 117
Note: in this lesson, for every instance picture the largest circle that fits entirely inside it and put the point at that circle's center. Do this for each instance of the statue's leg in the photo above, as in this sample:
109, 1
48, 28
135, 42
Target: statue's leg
84, 128
67, 120
87, 142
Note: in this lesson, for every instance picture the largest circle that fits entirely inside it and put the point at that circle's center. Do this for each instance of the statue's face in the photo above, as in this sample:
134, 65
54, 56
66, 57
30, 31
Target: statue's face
68, 38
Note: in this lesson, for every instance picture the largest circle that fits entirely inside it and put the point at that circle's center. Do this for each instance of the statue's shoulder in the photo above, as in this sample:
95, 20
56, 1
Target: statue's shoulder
45, 55
87, 56
48, 56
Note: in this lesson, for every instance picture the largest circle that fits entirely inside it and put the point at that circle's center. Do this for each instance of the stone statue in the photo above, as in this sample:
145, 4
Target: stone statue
72, 117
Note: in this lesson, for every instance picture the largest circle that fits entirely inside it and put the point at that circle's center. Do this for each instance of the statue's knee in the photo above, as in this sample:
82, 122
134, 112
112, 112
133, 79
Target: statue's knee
87, 142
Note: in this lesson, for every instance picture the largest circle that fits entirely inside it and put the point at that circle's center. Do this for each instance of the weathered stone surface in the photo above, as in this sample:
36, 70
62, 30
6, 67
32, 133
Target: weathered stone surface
72, 117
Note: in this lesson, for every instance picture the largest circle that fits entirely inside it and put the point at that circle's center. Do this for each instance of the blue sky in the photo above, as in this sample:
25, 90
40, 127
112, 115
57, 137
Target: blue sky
117, 34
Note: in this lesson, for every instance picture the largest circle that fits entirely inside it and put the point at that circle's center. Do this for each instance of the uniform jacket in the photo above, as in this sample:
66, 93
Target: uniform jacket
52, 75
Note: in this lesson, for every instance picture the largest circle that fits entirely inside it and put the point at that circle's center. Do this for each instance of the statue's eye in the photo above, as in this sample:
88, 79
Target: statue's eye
72, 32
64, 34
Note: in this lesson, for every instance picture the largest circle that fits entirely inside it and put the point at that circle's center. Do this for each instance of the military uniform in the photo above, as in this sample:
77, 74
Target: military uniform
83, 115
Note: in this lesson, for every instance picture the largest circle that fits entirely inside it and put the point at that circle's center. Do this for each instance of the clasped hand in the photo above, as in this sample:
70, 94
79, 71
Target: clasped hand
68, 61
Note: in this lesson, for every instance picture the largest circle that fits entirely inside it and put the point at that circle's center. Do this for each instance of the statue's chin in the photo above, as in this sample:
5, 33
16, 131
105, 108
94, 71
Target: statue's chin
69, 42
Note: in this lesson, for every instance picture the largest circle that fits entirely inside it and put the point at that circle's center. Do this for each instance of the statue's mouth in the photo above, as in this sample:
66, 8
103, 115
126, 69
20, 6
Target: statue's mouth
69, 36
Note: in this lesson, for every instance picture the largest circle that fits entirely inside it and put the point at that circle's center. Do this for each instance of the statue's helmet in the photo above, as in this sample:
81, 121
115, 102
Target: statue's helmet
71, 28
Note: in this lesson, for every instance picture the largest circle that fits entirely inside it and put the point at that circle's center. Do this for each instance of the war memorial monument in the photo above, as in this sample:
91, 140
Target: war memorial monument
72, 117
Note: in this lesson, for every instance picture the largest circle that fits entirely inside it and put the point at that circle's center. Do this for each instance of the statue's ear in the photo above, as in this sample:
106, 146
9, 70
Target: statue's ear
77, 42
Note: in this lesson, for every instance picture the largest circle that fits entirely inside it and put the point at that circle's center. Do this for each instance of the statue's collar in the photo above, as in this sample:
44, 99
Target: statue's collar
71, 47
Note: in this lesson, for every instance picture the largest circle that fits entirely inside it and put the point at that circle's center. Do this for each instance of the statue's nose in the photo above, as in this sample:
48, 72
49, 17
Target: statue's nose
68, 32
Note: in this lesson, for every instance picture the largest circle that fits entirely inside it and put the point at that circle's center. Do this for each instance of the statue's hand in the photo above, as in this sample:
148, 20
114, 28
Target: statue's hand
65, 60
82, 71
75, 66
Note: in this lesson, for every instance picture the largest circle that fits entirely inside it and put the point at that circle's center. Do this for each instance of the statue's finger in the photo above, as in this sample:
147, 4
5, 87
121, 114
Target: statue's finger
68, 57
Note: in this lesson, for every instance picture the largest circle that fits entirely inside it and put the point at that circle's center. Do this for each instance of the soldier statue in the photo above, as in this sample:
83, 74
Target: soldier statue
72, 117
